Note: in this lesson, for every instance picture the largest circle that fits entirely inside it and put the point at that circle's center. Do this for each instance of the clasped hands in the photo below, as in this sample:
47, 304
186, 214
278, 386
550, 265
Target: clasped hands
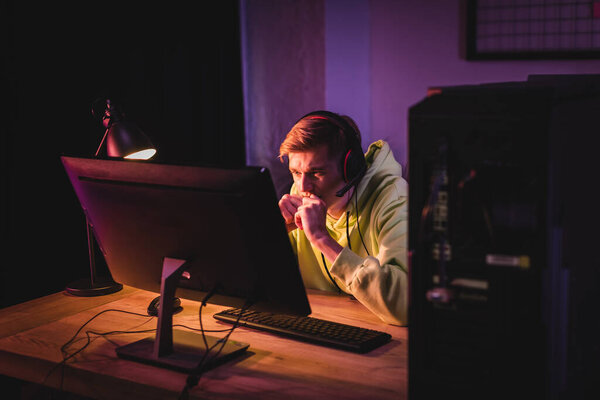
306, 213
309, 214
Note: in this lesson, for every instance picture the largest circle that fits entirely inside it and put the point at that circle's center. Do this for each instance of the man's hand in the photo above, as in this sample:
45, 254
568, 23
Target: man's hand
288, 205
311, 216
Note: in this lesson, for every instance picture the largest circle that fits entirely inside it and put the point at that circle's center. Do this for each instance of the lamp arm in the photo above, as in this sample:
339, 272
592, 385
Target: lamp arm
91, 252
101, 143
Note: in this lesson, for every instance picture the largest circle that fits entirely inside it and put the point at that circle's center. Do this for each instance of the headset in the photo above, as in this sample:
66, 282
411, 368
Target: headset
353, 162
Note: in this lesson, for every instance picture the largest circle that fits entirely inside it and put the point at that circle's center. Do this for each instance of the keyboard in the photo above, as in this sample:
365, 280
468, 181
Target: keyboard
309, 329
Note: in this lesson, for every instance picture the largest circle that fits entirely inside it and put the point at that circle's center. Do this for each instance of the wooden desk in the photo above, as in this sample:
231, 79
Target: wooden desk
32, 333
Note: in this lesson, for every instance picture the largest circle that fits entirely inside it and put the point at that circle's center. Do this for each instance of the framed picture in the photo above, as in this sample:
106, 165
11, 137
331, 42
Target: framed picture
531, 29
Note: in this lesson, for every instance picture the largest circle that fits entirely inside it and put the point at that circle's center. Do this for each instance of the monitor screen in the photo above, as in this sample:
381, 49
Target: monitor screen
224, 223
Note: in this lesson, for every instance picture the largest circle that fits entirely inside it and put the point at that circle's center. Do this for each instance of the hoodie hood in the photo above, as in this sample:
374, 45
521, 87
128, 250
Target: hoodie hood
383, 171
381, 167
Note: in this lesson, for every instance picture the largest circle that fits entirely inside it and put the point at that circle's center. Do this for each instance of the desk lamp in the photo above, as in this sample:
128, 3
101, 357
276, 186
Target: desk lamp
123, 140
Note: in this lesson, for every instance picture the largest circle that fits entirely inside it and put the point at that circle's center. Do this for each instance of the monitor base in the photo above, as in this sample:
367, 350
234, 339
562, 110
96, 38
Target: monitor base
188, 352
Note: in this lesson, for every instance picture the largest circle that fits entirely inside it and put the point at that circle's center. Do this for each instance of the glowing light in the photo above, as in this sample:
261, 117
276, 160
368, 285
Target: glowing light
141, 155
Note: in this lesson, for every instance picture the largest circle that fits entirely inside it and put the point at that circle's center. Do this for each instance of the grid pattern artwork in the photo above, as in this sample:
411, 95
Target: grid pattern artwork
533, 29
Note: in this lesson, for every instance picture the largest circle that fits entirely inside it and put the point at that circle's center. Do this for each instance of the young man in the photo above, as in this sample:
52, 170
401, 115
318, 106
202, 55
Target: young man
347, 214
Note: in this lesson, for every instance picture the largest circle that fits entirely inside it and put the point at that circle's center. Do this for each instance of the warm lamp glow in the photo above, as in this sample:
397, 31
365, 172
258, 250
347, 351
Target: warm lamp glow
141, 155
123, 138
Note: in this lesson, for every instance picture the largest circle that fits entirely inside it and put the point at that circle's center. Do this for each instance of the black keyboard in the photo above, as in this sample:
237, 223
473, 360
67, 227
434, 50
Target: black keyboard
313, 330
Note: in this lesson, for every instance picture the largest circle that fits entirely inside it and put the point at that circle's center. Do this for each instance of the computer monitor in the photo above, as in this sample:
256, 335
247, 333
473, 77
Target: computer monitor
192, 232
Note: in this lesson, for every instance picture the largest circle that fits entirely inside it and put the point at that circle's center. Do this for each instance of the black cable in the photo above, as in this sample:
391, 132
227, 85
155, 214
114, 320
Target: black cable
348, 239
348, 229
67, 356
194, 378
64, 346
329, 274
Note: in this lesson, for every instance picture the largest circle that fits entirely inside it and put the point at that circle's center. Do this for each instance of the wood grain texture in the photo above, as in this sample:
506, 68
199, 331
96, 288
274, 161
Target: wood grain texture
273, 367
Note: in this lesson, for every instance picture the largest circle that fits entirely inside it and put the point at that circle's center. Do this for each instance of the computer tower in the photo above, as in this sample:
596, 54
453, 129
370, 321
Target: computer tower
504, 240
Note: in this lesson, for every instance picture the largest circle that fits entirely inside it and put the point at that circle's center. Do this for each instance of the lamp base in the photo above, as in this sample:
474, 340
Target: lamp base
101, 287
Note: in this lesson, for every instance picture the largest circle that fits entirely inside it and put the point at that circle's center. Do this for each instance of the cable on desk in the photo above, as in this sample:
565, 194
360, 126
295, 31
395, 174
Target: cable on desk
194, 378
66, 356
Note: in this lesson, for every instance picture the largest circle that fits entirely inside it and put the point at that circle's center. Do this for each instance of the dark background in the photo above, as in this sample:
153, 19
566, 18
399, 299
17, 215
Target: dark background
175, 70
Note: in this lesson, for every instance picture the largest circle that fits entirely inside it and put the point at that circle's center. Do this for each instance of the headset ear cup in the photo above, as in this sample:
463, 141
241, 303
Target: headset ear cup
346, 166
353, 162
353, 165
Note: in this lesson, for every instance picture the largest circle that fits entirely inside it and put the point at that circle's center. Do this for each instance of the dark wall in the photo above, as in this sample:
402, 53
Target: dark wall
173, 69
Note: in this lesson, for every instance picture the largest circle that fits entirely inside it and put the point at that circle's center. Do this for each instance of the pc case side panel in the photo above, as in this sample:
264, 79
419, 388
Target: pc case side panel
572, 298
477, 215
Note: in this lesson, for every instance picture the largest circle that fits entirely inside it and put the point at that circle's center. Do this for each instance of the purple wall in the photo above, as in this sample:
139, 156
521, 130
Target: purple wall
415, 45
371, 60
348, 63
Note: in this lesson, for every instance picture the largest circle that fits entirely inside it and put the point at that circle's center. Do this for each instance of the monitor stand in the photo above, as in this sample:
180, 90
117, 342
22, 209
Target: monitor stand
177, 349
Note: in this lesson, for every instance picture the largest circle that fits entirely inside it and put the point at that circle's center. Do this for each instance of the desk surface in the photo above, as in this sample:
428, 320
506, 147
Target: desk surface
32, 333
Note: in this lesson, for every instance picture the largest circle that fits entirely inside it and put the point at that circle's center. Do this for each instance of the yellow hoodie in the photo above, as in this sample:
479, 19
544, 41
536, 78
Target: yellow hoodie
379, 280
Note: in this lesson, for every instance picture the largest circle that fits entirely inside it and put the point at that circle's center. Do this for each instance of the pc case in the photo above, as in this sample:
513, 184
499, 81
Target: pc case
504, 240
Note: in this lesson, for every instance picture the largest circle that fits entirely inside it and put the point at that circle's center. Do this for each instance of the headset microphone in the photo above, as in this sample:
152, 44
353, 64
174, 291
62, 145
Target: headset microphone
351, 183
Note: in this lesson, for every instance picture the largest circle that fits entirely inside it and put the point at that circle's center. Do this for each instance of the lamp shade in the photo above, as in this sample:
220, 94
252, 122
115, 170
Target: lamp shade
125, 140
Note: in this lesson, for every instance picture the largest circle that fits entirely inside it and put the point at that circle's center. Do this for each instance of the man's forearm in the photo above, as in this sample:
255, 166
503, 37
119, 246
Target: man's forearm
328, 246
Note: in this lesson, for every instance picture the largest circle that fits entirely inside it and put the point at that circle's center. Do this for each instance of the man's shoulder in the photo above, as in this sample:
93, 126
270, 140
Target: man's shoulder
388, 206
386, 197
389, 187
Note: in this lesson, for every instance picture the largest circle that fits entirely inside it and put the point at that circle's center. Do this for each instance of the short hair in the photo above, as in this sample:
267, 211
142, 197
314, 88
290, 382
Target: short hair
314, 131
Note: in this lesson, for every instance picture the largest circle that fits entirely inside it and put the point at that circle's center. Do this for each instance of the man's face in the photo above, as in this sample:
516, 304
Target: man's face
314, 172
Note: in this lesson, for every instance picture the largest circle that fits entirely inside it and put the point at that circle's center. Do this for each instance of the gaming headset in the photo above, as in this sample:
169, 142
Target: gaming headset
353, 162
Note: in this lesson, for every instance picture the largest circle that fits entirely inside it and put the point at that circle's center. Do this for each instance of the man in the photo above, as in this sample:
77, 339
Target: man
347, 214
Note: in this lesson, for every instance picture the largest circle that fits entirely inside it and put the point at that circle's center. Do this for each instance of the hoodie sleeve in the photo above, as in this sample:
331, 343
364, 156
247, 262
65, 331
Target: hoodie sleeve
380, 281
